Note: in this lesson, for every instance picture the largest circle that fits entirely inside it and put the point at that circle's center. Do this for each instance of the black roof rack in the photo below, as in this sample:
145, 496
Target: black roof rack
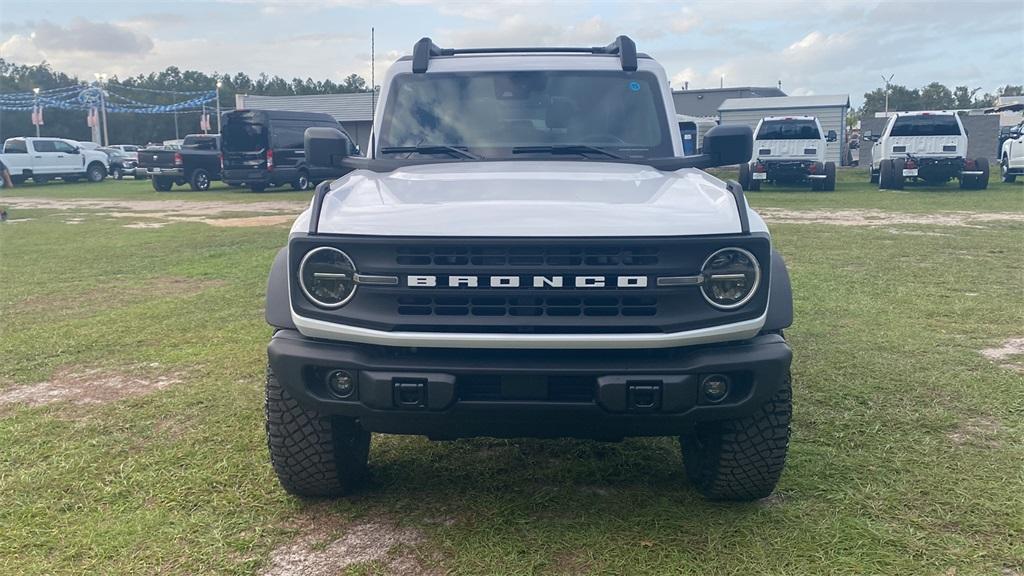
425, 49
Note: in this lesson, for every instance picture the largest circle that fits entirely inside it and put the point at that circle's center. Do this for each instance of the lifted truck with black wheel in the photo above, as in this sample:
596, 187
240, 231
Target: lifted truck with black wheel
196, 163
929, 147
526, 251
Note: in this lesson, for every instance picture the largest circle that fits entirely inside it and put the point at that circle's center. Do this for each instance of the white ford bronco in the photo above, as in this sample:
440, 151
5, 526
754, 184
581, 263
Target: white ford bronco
925, 146
790, 149
526, 251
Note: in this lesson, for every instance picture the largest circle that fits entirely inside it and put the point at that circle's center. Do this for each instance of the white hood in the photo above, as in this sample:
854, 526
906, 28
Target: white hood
529, 198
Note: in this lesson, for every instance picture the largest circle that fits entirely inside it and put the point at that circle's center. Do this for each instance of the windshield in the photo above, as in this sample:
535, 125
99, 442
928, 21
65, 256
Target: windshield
512, 114
788, 130
926, 125
243, 133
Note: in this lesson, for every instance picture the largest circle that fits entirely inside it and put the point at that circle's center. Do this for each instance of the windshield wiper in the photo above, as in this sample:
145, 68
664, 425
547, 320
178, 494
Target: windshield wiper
431, 149
583, 149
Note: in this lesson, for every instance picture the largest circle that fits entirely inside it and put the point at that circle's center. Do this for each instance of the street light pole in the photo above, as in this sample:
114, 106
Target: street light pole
101, 79
218, 105
36, 90
887, 81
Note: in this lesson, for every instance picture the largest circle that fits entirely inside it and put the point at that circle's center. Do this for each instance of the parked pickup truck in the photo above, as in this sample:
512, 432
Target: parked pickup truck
42, 159
197, 163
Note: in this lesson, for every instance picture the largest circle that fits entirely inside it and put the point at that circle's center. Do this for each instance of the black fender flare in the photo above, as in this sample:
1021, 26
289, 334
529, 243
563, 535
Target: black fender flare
279, 308
780, 296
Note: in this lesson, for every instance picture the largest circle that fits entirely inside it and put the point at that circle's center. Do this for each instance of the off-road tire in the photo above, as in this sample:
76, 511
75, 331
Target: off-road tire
981, 182
744, 176
830, 177
162, 184
301, 181
314, 455
1004, 168
741, 459
96, 172
200, 180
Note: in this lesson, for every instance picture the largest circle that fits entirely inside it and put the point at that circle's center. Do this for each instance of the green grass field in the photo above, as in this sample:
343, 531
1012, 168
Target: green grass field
907, 454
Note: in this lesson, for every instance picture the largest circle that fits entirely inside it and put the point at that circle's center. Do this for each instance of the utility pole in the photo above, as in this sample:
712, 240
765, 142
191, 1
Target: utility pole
36, 90
219, 83
101, 80
887, 81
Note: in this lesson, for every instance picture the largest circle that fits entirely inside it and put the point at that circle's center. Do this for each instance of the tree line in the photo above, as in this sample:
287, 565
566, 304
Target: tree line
934, 96
130, 128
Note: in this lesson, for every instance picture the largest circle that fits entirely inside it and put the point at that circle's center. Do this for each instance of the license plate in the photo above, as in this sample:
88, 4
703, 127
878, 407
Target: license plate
760, 176
910, 172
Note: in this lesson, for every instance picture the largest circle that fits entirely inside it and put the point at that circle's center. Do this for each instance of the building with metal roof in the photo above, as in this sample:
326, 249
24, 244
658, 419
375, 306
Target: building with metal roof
354, 111
704, 103
830, 109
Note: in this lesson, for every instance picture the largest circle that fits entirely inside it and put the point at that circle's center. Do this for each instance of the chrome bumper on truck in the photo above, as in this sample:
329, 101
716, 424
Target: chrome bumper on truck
608, 394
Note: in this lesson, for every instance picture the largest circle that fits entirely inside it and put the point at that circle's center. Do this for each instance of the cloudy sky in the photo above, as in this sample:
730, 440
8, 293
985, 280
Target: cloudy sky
811, 46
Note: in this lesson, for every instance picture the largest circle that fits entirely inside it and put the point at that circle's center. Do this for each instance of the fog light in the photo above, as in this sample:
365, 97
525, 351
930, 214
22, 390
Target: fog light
341, 383
715, 387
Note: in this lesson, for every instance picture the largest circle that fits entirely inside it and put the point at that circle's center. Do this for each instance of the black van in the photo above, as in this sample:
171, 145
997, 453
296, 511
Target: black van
264, 148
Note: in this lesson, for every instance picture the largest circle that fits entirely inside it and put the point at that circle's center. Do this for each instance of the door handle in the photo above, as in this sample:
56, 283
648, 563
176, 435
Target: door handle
37, 156
60, 155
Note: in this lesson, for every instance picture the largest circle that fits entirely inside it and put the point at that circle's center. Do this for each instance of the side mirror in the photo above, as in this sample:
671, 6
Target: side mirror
831, 136
326, 147
76, 150
868, 136
728, 144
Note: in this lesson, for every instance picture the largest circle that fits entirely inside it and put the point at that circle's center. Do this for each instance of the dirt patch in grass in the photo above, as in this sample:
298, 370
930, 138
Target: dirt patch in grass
276, 220
326, 545
980, 432
85, 387
882, 218
1014, 347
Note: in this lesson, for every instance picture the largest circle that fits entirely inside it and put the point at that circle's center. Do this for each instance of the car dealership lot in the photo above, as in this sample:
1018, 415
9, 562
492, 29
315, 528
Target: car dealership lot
125, 322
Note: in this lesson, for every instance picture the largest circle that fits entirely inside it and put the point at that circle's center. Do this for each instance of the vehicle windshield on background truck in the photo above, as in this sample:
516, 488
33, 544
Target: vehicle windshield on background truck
264, 148
503, 114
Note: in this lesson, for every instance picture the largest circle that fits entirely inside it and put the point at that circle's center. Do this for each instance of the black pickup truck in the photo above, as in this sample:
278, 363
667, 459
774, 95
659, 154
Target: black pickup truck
197, 163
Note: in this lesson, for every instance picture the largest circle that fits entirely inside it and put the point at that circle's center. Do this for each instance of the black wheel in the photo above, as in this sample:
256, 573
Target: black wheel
755, 185
301, 181
200, 181
744, 176
257, 187
981, 181
96, 172
118, 174
885, 174
741, 459
162, 184
1004, 170
313, 454
830, 177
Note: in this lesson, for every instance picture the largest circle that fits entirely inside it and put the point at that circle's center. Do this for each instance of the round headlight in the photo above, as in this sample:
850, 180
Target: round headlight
327, 277
731, 276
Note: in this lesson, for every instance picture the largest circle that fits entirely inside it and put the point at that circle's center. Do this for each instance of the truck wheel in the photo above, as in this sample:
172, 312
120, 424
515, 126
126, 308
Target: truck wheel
830, 177
884, 174
872, 176
118, 174
741, 459
313, 454
257, 187
1004, 169
162, 184
301, 181
744, 176
200, 181
96, 172
981, 182
755, 185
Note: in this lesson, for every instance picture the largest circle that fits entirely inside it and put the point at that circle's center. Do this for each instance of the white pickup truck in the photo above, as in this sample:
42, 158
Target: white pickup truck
791, 150
43, 159
1011, 157
925, 146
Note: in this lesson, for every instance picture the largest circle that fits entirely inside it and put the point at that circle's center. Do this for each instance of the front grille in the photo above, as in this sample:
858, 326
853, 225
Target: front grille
525, 306
526, 255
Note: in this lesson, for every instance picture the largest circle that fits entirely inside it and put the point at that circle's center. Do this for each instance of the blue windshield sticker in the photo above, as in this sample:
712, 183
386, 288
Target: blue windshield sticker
634, 86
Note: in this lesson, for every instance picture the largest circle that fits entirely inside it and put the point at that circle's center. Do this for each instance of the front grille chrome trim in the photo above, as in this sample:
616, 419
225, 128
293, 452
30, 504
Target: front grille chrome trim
345, 333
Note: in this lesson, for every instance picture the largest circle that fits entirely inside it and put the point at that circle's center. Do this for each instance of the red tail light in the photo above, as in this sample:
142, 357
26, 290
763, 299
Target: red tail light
177, 158
812, 167
910, 165
270, 159
969, 164
759, 168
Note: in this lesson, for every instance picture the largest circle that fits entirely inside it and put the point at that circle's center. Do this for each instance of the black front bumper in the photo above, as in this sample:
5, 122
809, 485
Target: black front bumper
450, 393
